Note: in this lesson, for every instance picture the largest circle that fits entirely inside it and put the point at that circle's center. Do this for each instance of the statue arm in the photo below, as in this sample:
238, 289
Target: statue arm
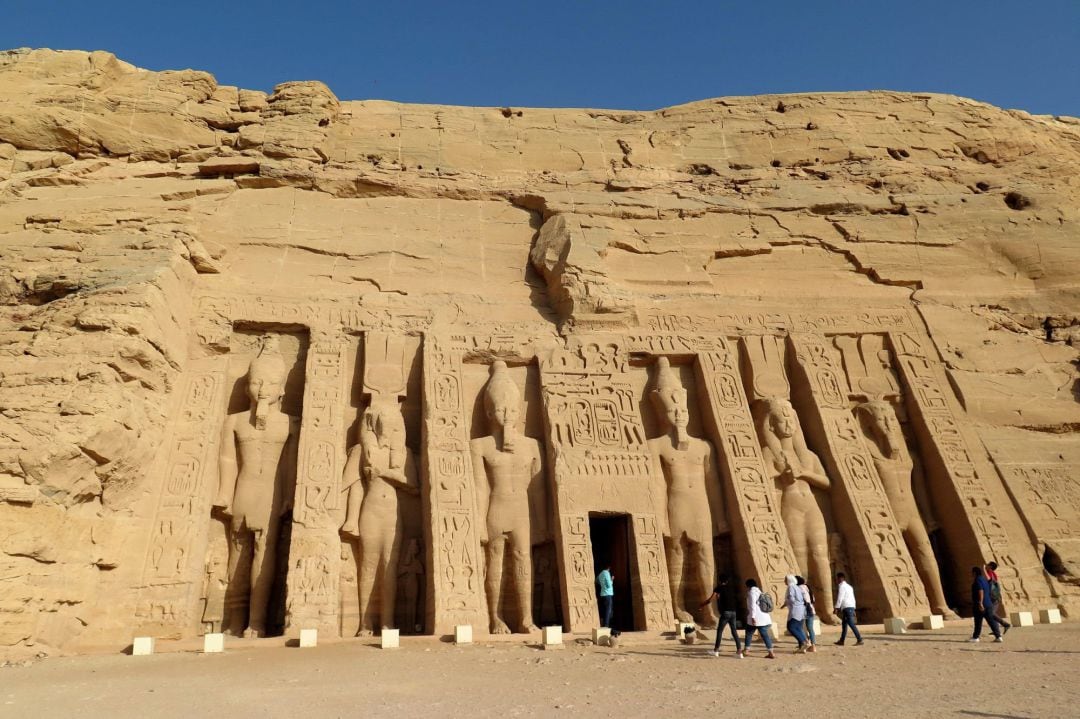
816, 477
480, 486
920, 489
659, 486
405, 478
538, 499
227, 466
715, 492
287, 471
351, 474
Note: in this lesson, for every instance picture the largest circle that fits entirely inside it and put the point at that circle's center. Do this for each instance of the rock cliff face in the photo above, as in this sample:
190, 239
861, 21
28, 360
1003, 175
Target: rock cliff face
153, 225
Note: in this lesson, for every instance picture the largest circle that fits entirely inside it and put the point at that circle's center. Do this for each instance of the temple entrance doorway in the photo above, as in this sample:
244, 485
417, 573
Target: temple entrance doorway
609, 535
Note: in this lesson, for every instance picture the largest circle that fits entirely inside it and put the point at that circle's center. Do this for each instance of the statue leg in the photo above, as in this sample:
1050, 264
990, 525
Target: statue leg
521, 560
370, 551
262, 579
234, 596
795, 524
496, 548
388, 593
820, 573
705, 576
676, 562
922, 553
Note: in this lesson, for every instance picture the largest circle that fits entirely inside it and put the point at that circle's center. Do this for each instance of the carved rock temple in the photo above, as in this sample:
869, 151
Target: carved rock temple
279, 361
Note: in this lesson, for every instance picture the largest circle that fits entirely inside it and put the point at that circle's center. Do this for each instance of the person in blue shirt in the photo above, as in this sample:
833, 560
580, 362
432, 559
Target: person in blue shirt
606, 593
982, 605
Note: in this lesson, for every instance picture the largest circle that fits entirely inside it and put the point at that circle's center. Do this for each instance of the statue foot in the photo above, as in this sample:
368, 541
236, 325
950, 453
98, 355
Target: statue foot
254, 633
365, 633
708, 623
946, 613
684, 616
830, 619
499, 627
529, 628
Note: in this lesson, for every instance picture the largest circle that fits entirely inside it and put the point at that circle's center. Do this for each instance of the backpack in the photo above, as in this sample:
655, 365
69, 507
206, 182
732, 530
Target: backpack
765, 602
995, 592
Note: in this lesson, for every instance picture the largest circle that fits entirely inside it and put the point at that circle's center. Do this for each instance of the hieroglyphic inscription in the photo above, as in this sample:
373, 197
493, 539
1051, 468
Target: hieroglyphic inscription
597, 446
924, 380
862, 495
172, 571
753, 504
842, 320
449, 496
1049, 496
313, 578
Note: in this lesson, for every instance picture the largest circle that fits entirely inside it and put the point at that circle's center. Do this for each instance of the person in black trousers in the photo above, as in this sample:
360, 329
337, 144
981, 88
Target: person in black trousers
726, 604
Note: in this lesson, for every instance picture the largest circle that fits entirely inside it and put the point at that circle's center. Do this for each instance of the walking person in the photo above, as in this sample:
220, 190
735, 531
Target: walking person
995, 597
845, 606
982, 605
796, 612
758, 606
811, 613
606, 594
726, 603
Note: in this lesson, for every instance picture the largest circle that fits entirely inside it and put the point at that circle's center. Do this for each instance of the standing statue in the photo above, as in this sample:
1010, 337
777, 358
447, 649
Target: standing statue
797, 472
411, 576
692, 495
895, 466
379, 467
257, 478
512, 498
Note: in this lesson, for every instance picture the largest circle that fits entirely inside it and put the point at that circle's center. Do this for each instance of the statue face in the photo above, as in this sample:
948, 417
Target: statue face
503, 410
265, 387
674, 409
782, 420
883, 423
390, 429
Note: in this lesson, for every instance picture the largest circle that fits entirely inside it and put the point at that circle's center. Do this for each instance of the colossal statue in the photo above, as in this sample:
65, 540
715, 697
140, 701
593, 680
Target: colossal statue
257, 467
379, 467
511, 500
797, 472
897, 469
693, 510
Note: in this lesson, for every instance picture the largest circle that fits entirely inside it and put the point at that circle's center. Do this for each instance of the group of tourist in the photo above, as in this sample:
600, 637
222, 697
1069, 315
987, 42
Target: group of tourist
798, 600
801, 611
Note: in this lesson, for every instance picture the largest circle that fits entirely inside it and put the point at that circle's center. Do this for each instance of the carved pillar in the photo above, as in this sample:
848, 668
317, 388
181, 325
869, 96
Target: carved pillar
981, 523
312, 584
889, 582
761, 541
455, 587
173, 569
601, 462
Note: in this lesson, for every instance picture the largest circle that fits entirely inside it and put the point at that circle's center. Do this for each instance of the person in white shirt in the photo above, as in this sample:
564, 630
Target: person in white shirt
845, 608
757, 619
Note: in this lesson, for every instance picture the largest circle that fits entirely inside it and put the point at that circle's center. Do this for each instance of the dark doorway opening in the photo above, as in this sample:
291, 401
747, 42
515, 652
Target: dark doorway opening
610, 538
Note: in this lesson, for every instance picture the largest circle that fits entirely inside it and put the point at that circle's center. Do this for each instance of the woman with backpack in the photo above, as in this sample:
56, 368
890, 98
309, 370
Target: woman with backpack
811, 613
796, 612
758, 606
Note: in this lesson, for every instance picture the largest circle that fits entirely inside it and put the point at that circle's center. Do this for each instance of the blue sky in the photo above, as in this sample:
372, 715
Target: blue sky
628, 55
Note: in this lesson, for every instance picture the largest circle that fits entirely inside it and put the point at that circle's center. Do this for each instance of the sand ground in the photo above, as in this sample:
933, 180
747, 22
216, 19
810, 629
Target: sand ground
1035, 673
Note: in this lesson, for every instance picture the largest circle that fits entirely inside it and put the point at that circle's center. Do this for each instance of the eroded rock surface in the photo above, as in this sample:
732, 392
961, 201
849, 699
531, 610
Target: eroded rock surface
153, 225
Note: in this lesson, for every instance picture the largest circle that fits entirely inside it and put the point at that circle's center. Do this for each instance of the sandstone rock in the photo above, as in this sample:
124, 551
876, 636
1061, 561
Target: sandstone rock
791, 267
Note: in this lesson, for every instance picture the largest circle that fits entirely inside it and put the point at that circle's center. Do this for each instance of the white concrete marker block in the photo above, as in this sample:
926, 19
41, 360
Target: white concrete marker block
895, 625
681, 634
1022, 619
1049, 616
933, 621
390, 639
600, 632
309, 637
142, 646
816, 623
213, 643
553, 637
463, 634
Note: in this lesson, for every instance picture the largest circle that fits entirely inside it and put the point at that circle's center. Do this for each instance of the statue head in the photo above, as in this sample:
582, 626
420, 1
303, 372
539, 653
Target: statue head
879, 419
384, 425
266, 380
502, 399
781, 417
669, 399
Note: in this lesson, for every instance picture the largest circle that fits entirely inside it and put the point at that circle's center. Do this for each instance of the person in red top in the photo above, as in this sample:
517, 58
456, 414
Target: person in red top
995, 596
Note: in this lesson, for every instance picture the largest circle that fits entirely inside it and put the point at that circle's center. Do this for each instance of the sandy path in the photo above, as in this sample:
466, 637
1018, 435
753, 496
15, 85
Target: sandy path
1036, 673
